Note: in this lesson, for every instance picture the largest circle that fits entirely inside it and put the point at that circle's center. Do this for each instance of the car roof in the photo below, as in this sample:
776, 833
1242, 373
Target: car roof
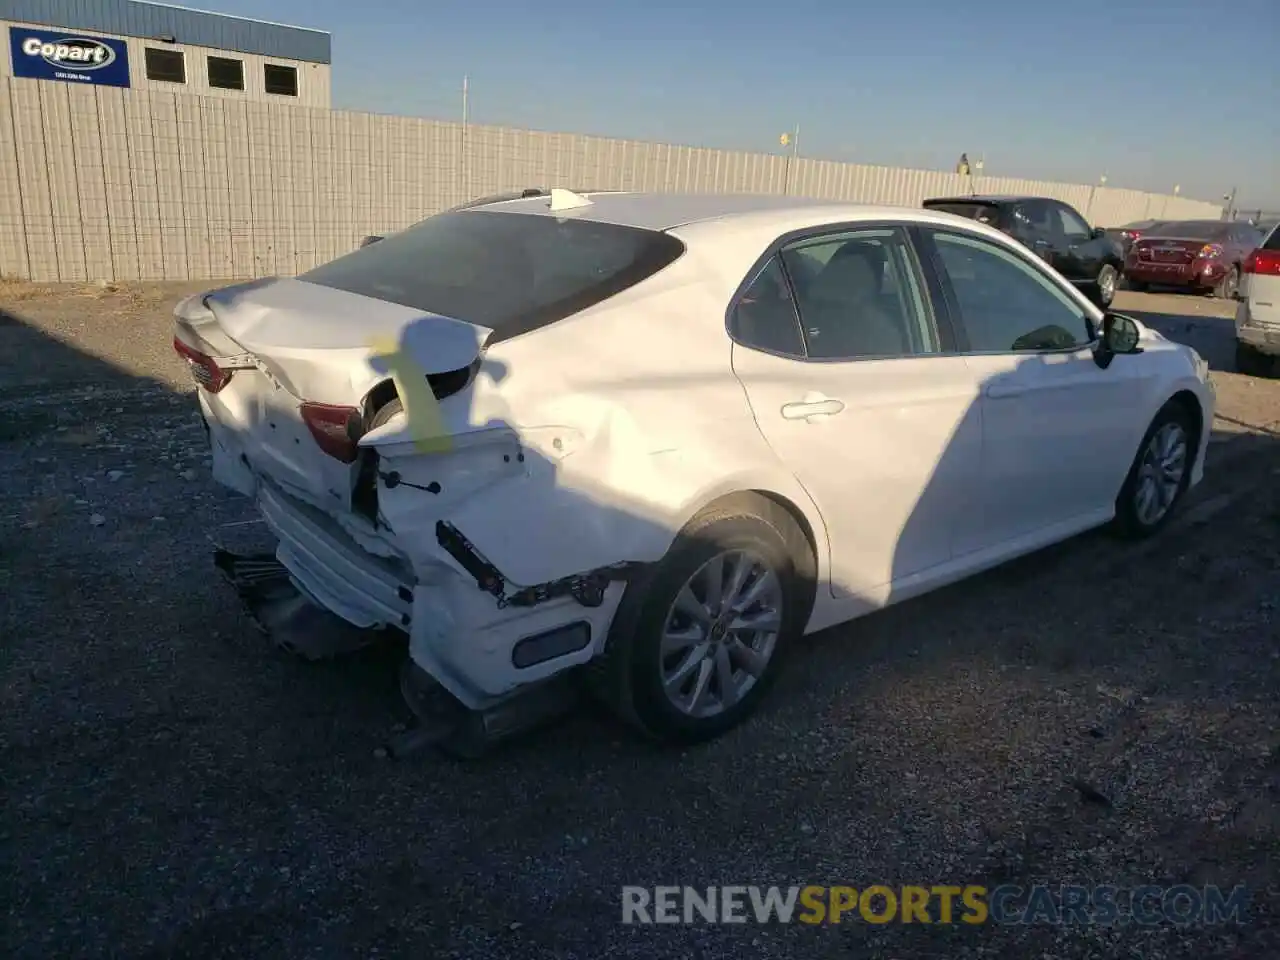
657, 211
756, 212
1195, 222
990, 199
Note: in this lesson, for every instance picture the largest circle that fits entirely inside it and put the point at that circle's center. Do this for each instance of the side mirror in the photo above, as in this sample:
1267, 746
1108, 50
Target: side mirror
368, 240
1099, 232
1119, 336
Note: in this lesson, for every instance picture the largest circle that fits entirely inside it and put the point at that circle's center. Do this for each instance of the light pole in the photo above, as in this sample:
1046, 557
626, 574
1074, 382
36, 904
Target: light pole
794, 140
1088, 210
464, 161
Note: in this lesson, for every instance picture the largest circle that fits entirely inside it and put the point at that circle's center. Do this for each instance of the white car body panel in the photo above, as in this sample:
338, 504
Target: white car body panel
1258, 309
890, 472
594, 440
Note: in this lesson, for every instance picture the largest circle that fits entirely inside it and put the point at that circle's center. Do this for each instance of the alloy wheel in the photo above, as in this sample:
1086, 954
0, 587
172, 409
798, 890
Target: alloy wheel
720, 633
1107, 285
1160, 475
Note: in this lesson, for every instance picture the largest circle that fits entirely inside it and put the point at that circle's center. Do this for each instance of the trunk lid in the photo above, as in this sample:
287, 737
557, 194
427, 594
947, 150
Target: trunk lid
305, 330
1169, 249
299, 348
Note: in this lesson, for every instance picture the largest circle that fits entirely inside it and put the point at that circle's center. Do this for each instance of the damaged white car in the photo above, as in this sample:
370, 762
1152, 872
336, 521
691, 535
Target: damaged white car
661, 436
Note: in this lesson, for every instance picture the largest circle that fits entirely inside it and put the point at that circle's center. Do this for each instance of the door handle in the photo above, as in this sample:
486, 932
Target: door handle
811, 409
998, 391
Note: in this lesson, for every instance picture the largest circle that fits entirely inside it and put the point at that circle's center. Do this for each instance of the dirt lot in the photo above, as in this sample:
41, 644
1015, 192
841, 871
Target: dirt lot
1098, 713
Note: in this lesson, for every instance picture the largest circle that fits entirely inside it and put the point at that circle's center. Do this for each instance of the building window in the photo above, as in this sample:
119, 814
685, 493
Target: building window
226, 74
166, 65
281, 80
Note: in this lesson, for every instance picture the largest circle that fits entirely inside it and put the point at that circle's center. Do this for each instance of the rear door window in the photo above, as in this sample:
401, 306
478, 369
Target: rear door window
1033, 218
1273, 241
867, 301
510, 272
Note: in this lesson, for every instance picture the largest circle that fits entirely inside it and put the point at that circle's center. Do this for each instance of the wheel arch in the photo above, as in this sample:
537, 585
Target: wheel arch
806, 528
1189, 402
809, 521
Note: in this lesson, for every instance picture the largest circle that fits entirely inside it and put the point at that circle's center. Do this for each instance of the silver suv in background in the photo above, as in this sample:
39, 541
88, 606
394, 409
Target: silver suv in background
1258, 312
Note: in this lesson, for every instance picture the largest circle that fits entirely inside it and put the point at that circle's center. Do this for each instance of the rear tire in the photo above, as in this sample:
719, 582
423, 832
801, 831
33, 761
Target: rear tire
1171, 439
1106, 284
635, 675
1137, 286
1229, 286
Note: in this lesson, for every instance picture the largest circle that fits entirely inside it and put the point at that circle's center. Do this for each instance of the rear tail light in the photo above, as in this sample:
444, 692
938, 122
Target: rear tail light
204, 369
1265, 263
1210, 250
336, 429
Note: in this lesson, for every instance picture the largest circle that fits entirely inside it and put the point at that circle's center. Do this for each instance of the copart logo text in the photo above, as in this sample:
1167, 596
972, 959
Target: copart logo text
78, 53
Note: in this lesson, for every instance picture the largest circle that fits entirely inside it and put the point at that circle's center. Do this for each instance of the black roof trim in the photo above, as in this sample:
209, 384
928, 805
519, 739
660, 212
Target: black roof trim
993, 200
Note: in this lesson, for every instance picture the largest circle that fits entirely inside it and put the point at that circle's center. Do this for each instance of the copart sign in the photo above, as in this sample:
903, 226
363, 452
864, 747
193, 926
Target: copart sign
72, 57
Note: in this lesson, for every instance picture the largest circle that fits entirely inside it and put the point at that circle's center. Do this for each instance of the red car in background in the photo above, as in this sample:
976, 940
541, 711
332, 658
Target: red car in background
1130, 233
1195, 255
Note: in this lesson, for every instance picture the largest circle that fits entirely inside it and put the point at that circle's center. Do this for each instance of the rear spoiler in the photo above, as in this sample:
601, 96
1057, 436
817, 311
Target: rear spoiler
524, 194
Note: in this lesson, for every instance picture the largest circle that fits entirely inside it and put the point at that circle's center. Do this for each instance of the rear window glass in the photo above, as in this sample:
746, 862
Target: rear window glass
1190, 230
510, 272
982, 212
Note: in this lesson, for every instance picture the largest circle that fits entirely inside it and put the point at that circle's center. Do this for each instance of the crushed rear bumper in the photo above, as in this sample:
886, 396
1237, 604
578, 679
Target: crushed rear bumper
479, 646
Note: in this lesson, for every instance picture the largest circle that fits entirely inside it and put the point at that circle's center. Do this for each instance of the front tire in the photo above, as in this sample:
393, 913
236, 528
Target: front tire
1137, 286
1160, 474
697, 644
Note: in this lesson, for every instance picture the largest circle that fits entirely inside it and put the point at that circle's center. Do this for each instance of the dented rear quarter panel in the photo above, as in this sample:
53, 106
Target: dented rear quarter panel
630, 419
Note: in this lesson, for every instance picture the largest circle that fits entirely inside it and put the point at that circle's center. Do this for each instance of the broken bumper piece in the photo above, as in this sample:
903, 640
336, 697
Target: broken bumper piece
283, 612
297, 625
480, 637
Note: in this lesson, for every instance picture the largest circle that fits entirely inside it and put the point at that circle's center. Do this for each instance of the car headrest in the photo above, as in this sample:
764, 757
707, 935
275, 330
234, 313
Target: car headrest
851, 274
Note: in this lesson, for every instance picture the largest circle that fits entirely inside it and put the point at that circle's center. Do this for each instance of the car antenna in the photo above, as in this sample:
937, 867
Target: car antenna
567, 200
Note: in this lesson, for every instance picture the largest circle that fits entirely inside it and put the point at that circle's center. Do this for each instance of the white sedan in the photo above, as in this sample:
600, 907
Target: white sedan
666, 435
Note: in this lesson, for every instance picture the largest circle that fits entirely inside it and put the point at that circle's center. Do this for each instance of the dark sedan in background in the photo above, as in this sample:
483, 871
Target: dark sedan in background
1054, 231
1195, 255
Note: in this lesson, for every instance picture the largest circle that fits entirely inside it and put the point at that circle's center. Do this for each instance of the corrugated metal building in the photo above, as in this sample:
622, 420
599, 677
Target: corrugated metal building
128, 43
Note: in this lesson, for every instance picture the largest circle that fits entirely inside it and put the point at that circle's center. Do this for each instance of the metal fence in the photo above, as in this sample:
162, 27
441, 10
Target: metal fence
1254, 215
118, 184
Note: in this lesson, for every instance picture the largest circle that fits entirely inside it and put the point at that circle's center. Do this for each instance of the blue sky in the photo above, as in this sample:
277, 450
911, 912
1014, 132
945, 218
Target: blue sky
1151, 93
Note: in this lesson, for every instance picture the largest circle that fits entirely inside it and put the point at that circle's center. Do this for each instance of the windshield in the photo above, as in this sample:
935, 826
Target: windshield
1190, 230
510, 272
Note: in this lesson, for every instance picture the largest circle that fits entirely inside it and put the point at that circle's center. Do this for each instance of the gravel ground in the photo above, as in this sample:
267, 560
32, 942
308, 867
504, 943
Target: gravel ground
1097, 713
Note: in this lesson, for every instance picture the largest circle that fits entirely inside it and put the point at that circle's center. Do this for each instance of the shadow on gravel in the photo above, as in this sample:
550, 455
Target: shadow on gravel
1214, 338
45, 383
175, 788
66, 418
